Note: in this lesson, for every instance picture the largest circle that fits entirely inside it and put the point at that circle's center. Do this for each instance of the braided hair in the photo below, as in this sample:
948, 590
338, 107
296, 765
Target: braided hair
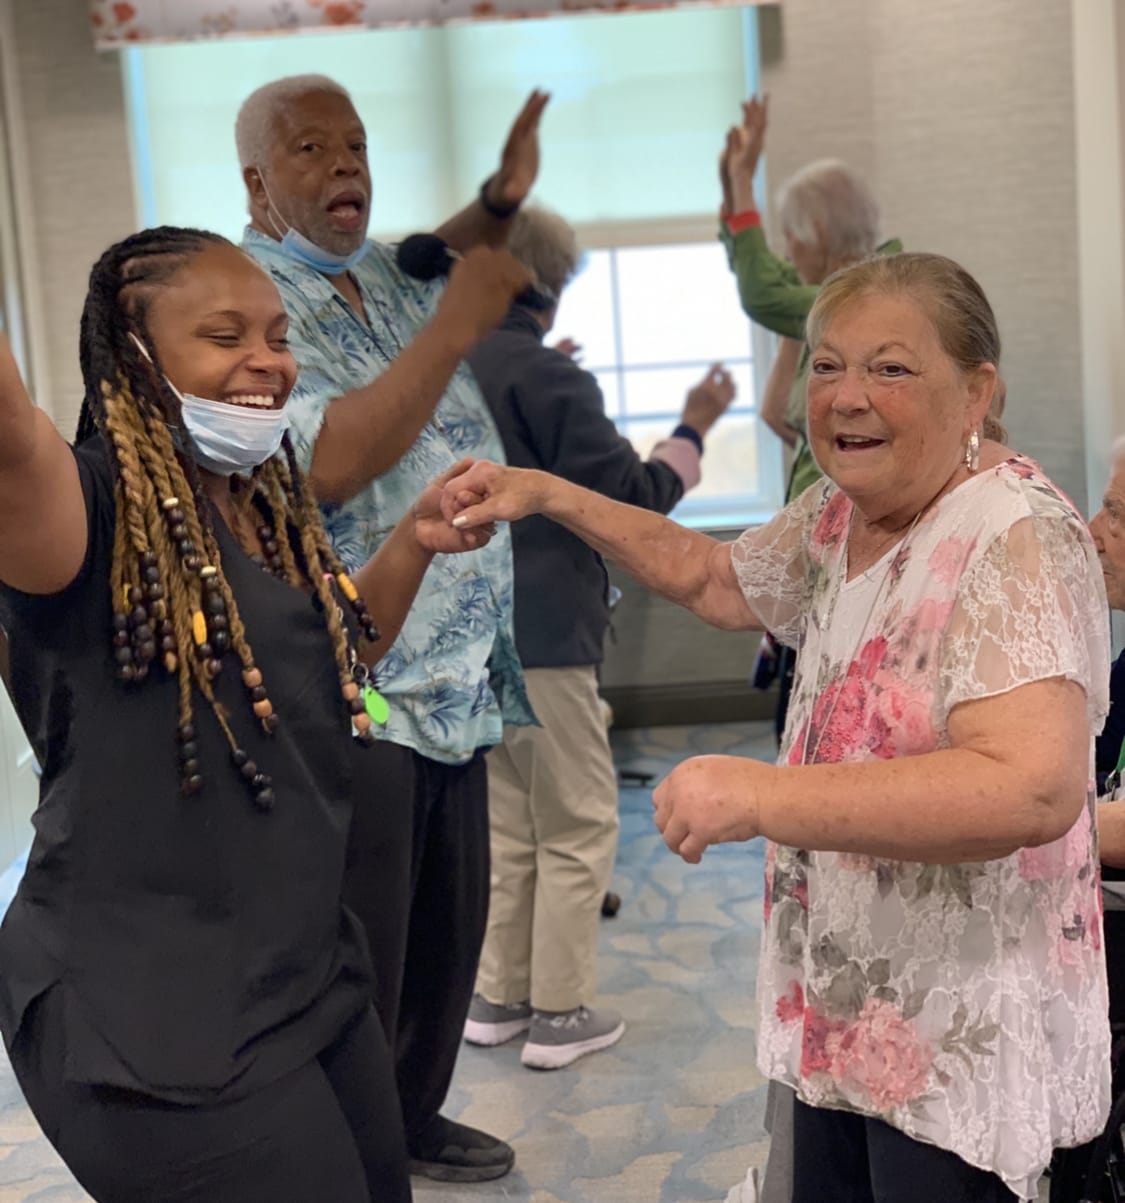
173, 609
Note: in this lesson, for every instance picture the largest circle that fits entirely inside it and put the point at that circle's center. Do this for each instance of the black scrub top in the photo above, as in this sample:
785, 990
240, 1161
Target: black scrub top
200, 944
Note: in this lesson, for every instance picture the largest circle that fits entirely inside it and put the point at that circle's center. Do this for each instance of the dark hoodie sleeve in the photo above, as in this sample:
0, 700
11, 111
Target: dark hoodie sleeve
562, 412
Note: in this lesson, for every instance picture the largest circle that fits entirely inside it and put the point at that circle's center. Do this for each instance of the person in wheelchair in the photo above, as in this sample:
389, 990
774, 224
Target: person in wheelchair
1096, 1171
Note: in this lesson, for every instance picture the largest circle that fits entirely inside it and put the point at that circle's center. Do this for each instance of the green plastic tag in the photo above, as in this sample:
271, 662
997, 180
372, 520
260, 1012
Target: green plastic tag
376, 705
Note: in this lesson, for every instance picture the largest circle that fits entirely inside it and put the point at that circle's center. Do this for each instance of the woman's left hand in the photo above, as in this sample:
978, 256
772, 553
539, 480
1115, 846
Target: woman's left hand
433, 530
709, 800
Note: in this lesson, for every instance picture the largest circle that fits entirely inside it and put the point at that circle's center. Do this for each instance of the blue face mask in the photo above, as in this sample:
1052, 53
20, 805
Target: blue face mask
230, 439
304, 250
225, 439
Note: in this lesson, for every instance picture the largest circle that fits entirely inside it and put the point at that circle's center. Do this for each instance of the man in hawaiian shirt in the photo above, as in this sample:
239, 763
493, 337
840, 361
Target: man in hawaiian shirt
383, 405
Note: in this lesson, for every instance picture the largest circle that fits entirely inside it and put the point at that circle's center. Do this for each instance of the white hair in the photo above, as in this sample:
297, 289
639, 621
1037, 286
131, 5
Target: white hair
826, 203
546, 245
1117, 451
256, 124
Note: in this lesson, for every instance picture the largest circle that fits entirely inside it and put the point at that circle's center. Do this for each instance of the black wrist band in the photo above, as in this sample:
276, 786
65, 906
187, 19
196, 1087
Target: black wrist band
500, 212
691, 434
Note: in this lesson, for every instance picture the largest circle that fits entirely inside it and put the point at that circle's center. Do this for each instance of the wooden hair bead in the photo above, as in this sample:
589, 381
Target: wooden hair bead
198, 627
264, 708
271, 723
170, 503
362, 723
214, 667
171, 663
220, 640
346, 587
191, 785
208, 571
264, 800
350, 691
251, 677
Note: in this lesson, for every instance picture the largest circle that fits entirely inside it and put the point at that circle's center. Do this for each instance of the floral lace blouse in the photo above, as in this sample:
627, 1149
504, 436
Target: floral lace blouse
963, 1004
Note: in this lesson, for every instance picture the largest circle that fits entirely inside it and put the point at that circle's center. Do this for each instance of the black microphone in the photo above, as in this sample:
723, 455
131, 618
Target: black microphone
429, 257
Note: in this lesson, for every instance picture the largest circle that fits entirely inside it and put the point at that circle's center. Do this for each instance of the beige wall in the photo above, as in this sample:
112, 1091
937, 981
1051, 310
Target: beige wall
961, 112
76, 184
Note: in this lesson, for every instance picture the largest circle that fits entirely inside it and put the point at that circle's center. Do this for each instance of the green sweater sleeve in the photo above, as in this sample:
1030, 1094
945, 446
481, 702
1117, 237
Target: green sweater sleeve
770, 289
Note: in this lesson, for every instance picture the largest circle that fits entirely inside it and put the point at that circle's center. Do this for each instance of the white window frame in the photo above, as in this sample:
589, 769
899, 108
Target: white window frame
771, 460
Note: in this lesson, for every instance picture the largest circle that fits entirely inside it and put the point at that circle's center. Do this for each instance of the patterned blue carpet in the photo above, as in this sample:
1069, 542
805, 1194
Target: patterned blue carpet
671, 1114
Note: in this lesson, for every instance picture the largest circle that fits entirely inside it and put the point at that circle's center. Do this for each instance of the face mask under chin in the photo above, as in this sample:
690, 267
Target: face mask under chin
303, 250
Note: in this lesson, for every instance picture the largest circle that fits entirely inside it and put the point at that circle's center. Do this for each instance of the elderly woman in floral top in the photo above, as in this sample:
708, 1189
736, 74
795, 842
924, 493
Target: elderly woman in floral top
932, 981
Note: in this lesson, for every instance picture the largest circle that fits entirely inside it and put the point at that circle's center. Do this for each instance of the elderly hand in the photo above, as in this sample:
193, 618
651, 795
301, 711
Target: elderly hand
743, 150
519, 161
709, 400
481, 289
569, 348
709, 800
433, 530
489, 493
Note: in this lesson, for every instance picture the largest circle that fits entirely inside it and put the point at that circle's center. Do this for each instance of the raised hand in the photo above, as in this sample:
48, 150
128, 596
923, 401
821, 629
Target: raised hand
481, 289
519, 160
744, 147
709, 399
569, 348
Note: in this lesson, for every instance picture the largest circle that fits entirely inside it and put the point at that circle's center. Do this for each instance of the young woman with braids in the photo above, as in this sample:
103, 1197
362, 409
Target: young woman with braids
185, 1000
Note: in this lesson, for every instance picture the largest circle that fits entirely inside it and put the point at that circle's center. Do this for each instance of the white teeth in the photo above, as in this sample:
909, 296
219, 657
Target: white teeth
254, 400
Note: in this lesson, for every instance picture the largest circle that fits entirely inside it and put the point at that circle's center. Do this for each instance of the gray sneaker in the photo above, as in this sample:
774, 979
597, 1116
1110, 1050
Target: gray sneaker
494, 1023
558, 1038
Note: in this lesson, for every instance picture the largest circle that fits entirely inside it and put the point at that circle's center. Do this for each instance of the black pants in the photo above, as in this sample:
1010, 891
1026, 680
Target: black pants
426, 940
329, 1130
839, 1157
1070, 1166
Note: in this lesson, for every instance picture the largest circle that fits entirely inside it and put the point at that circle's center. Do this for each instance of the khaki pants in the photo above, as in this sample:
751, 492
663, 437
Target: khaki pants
552, 799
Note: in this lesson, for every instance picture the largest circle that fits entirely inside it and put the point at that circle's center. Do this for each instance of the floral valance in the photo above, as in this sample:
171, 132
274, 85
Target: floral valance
125, 22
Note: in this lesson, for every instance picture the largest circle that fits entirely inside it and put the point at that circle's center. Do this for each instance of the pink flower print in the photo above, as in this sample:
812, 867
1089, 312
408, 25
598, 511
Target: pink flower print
833, 523
931, 616
903, 717
801, 892
882, 1056
947, 560
1025, 469
819, 1033
838, 718
871, 656
791, 1006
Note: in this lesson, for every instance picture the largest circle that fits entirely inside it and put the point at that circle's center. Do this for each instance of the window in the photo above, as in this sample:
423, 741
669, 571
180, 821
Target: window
651, 320
639, 105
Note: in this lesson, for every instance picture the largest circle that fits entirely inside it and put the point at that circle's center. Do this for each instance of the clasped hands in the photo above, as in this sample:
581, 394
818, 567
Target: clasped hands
703, 801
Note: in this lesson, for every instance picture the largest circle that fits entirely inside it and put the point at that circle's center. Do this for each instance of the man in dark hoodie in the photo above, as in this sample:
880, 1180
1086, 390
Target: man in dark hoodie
552, 789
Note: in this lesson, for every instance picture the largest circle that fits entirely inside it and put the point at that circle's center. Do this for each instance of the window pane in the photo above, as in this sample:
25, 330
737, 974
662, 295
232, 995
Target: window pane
639, 103
730, 466
651, 391
586, 312
679, 303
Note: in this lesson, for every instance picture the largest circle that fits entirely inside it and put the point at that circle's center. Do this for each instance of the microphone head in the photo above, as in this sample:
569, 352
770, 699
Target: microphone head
424, 257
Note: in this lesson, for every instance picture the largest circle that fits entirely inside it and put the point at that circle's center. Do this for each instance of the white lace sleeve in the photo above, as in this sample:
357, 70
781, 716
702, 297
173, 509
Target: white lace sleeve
772, 566
1032, 606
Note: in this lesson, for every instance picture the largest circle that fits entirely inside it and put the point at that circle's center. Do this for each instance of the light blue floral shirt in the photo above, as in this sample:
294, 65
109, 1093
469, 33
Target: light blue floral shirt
452, 677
